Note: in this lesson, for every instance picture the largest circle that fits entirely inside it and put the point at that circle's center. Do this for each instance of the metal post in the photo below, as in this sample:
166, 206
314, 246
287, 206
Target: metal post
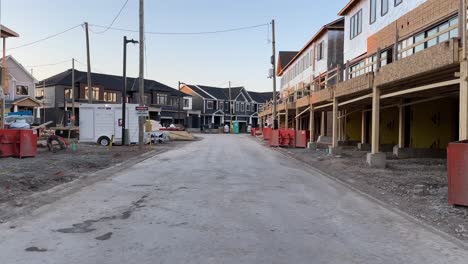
73, 117
180, 104
4, 82
273, 62
141, 89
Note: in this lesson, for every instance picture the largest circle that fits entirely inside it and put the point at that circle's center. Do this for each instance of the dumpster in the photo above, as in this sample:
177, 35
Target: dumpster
18, 143
274, 138
301, 138
267, 131
457, 170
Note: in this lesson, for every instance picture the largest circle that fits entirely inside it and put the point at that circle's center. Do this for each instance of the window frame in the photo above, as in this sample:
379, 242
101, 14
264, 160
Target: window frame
398, 2
208, 103
159, 97
356, 24
373, 8
382, 13
22, 87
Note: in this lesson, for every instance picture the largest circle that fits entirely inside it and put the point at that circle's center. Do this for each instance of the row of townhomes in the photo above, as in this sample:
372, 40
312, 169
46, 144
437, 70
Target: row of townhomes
221, 106
166, 105
388, 76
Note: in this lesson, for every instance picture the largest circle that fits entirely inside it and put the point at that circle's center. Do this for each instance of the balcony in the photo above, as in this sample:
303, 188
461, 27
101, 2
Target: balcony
321, 96
355, 86
433, 61
303, 102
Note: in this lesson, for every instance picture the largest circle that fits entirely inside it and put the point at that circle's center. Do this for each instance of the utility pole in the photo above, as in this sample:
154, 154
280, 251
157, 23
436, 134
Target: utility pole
73, 117
180, 103
141, 89
231, 104
273, 63
124, 90
90, 85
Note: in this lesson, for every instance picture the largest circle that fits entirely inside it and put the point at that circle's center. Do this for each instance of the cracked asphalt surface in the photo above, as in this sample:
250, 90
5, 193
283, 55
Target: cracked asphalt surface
224, 199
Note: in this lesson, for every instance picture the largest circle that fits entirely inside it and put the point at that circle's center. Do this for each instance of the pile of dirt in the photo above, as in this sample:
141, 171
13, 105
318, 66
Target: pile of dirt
417, 187
181, 136
21, 177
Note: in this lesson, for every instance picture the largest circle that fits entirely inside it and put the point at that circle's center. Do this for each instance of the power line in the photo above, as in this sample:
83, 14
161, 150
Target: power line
46, 65
113, 21
46, 38
185, 33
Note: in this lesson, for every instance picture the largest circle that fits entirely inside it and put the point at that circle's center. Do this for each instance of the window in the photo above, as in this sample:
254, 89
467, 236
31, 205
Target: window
220, 105
95, 93
237, 106
175, 101
356, 24
22, 90
373, 11
242, 109
147, 99
68, 94
161, 99
320, 51
384, 7
110, 97
39, 92
247, 107
209, 104
186, 103
398, 2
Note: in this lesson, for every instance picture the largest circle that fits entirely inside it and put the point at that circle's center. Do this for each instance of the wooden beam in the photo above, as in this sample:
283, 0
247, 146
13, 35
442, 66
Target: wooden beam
356, 99
335, 124
421, 88
322, 125
303, 112
463, 133
311, 124
401, 126
323, 106
363, 127
375, 140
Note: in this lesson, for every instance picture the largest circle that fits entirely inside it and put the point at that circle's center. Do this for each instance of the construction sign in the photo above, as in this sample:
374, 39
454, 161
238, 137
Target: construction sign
142, 111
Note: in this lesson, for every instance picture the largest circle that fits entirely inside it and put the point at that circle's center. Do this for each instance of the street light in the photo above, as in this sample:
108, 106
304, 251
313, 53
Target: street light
124, 89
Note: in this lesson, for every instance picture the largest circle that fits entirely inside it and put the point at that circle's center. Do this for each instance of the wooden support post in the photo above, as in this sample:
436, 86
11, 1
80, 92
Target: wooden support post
375, 142
279, 120
322, 125
464, 101
311, 124
401, 126
335, 124
363, 128
297, 120
286, 117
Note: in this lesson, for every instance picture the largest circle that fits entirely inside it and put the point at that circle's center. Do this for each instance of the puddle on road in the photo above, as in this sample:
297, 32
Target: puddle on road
35, 249
86, 226
106, 236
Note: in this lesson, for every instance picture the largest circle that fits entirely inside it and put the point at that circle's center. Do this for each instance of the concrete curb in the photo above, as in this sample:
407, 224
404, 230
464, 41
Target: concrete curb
460, 243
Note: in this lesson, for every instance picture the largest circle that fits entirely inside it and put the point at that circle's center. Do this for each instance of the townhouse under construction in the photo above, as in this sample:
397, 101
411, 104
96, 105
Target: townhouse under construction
389, 76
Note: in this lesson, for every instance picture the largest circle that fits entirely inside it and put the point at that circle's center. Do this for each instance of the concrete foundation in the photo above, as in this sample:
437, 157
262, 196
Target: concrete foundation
377, 160
364, 147
335, 151
401, 153
407, 153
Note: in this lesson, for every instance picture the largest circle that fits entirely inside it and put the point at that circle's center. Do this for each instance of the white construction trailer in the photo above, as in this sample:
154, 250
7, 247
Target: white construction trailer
102, 123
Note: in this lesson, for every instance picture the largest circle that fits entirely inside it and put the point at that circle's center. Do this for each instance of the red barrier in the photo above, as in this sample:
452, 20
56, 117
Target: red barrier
274, 138
18, 143
287, 137
458, 173
301, 138
267, 133
252, 132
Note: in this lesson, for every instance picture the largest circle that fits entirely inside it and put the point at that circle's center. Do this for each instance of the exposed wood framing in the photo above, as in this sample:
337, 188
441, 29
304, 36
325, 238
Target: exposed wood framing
356, 99
375, 140
335, 124
421, 88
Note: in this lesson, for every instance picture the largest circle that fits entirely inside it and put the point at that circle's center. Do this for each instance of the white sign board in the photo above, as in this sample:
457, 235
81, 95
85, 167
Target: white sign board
142, 111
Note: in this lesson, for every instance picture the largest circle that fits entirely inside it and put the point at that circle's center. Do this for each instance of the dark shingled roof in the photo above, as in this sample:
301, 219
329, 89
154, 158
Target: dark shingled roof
200, 92
261, 97
109, 82
216, 92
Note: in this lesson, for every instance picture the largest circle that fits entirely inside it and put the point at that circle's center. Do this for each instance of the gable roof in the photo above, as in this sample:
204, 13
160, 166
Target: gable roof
8, 33
348, 7
284, 58
198, 91
20, 66
334, 25
110, 82
261, 97
215, 92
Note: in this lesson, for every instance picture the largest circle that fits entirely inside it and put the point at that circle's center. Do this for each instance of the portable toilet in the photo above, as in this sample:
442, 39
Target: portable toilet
236, 127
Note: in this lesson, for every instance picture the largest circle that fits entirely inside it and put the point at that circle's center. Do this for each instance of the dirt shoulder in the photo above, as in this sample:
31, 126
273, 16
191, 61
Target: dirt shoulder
417, 187
28, 183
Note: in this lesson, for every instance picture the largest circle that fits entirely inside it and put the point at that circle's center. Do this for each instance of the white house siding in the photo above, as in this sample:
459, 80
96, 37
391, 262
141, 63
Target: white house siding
19, 77
358, 45
308, 73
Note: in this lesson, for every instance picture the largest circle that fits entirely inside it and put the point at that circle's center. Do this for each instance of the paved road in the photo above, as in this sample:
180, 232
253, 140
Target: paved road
225, 199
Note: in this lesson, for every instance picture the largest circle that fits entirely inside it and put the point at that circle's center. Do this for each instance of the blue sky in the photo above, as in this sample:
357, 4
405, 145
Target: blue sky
241, 57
